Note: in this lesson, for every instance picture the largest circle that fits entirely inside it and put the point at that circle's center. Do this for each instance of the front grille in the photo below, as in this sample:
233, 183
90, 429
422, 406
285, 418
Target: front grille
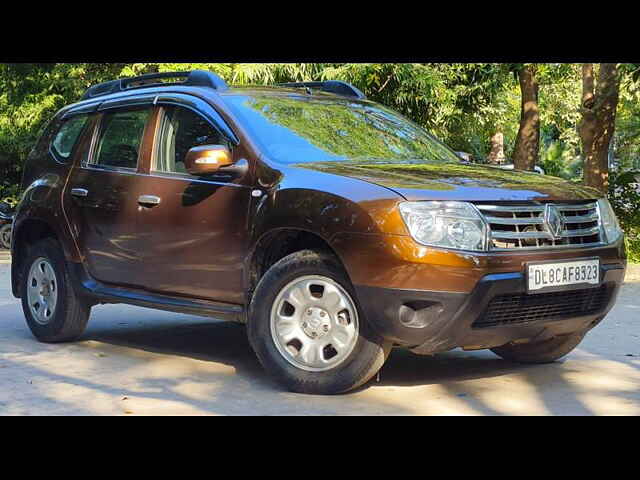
520, 308
522, 226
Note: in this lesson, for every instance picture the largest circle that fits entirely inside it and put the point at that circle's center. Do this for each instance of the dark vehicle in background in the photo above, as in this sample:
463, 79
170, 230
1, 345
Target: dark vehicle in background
6, 225
331, 226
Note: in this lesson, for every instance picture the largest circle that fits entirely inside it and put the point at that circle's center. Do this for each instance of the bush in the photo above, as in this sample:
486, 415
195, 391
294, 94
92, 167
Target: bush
633, 245
551, 159
9, 194
624, 195
559, 160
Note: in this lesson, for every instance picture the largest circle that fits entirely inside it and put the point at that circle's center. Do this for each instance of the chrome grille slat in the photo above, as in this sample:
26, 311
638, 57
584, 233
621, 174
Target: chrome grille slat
517, 209
532, 235
514, 221
581, 218
550, 247
523, 226
574, 208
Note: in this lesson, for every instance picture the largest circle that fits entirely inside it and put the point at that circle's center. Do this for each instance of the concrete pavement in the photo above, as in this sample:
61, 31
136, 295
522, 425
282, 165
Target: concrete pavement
134, 361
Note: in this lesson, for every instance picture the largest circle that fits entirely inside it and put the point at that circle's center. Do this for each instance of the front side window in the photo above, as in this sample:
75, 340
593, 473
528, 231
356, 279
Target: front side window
120, 138
67, 136
182, 129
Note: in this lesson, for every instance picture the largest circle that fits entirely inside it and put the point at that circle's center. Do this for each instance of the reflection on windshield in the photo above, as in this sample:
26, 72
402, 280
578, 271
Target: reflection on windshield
295, 129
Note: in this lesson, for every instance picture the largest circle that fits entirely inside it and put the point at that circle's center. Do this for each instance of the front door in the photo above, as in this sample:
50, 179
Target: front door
194, 230
102, 193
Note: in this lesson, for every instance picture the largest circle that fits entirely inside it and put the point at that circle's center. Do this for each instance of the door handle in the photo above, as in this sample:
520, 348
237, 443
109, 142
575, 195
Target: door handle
149, 200
79, 192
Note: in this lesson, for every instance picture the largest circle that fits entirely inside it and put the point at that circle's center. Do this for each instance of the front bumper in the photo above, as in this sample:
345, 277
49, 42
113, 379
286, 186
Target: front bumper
432, 321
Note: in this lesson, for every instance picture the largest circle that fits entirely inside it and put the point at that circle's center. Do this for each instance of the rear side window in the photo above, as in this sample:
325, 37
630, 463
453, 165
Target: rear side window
120, 138
67, 136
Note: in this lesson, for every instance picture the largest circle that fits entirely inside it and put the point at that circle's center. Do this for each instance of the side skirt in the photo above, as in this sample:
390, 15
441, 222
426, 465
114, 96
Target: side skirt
99, 293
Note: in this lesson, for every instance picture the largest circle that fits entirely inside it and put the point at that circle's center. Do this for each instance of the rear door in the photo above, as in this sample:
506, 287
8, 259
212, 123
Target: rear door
103, 190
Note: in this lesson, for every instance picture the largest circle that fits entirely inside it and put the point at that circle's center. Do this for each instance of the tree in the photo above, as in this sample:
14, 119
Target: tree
598, 108
30, 94
525, 155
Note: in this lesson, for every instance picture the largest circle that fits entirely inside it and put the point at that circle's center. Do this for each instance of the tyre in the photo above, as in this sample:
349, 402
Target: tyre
546, 351
307, 329
5, 236
53, 310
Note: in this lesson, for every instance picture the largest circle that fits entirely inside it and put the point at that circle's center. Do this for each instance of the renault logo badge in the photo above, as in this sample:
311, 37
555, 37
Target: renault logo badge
554, 225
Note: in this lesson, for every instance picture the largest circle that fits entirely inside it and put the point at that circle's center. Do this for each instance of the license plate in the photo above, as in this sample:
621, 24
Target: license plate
544, 276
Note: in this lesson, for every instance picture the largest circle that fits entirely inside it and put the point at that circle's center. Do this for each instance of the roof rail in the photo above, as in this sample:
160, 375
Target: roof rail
196, 78
330, 86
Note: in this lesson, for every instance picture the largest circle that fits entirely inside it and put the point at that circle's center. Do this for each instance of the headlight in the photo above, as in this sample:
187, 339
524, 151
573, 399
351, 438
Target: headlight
609, 221
445, 224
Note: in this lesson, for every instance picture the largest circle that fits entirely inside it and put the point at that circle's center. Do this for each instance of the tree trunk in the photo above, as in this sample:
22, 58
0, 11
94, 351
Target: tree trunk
496, 156
598, 122
525, 155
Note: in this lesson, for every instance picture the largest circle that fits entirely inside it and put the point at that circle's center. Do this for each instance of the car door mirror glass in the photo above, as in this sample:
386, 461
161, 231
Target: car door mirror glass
207, 159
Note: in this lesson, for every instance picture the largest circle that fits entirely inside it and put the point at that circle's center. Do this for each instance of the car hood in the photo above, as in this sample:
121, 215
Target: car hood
457, 181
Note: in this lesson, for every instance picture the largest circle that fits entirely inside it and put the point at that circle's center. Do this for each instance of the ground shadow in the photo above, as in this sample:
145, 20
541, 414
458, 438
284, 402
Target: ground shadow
226, 343
213, 341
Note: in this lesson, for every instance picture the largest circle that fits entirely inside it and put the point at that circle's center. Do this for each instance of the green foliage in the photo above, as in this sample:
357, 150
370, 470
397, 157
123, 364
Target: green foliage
624, 195
30, 94
9, 193
632, 242
558, 159
627, 134
551, 159
560, 94
462, 104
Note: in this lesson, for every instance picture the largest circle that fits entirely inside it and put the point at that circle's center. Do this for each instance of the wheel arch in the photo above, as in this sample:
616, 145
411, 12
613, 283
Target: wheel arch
26, 233
276, 244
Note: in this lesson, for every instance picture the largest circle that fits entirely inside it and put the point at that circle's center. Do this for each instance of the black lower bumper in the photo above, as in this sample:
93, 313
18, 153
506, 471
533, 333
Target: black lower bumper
431, 322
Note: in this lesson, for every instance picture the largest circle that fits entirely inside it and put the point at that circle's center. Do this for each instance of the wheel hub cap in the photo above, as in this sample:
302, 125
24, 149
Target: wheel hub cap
317, 323
314, 323
42, 291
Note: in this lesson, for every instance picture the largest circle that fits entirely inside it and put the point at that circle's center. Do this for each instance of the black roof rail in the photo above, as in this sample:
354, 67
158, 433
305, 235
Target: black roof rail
330, 86
196, 78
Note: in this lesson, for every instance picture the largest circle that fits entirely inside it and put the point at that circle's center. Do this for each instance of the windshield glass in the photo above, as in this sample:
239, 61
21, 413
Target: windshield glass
296, 129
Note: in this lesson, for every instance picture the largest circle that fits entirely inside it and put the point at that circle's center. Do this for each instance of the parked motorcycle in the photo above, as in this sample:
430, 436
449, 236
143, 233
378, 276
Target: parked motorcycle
6, 224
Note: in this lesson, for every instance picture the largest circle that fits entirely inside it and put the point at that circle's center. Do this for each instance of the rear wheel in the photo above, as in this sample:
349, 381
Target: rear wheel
5, 236
53, 310
307, 330
546, 351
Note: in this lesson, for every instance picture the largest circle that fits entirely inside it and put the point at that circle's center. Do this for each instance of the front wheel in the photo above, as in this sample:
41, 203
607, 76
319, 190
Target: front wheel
5, 236
307, 330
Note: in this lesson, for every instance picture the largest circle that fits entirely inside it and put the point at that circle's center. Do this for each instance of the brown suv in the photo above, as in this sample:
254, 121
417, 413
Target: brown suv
330, 225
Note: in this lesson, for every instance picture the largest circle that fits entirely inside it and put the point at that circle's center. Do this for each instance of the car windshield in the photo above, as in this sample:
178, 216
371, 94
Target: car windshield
297, 129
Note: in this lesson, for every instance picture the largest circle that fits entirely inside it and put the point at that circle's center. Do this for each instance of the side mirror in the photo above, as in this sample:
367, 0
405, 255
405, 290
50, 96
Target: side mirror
207, 159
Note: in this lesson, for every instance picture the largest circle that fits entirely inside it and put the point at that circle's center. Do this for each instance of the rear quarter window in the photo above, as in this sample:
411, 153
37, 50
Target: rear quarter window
67, 136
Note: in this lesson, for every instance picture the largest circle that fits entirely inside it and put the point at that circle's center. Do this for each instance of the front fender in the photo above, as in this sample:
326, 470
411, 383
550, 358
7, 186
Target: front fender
327, 206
